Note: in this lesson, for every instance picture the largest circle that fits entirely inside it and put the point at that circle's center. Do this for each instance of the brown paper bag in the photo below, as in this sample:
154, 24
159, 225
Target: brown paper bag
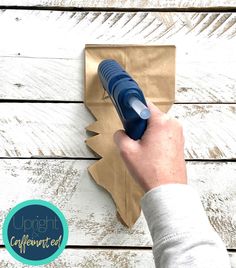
153, 67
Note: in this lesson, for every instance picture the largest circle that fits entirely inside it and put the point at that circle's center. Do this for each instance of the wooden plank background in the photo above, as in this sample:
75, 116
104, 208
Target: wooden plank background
42, 116
89, 209
98, 258
53, 69
120, 3
197, 81
58, 130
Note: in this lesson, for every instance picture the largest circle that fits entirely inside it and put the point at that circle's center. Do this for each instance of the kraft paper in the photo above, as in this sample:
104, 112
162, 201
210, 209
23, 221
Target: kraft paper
153, 67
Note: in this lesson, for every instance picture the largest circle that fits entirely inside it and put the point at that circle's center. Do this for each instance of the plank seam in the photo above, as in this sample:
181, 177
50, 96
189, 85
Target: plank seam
38, 101
107, 247
102, 247
211, 160
50, 158
98, 158
116, 9
206, 103
92, 247
82, 102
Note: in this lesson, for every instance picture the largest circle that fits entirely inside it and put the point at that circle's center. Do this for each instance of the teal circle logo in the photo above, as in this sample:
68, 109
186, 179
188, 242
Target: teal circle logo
35, 232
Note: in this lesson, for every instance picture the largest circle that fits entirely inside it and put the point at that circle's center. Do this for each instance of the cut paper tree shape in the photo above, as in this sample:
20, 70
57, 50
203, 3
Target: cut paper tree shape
153, 68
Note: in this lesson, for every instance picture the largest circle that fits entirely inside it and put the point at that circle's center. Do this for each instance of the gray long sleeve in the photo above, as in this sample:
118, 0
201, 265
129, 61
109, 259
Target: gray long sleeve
182, 235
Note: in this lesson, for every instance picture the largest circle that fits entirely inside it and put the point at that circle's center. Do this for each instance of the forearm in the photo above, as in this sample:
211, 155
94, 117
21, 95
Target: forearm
182, 235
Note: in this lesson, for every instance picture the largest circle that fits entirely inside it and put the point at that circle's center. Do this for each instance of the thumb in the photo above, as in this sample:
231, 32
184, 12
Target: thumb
124, 142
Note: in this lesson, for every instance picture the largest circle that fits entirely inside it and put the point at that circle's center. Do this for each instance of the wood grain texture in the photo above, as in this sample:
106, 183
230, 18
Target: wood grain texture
58, 34
41, 58
58, 130
120, 3
199, 72
90, 258
41, 79
62, 80
78, 258
41, 52
89, 210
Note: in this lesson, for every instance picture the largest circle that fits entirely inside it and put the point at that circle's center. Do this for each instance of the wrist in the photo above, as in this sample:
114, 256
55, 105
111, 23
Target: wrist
149, 186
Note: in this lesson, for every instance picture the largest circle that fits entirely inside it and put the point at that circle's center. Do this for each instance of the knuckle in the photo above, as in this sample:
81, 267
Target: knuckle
128, 151
177, 123
161, 120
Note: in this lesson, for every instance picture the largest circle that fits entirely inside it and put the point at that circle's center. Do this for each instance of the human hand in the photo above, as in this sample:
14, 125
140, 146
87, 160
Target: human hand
158, 157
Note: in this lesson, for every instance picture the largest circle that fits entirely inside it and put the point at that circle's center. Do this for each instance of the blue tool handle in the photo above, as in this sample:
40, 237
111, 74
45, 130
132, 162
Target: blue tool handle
126, 96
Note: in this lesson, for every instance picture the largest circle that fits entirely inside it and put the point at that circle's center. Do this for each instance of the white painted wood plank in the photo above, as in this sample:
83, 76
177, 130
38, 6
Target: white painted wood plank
35, 40
91, 258
43, 129
213, 182
232, 256
90, 211
58, 130
88, 208
208, 133
62, 79
120, 3
78, 258
41, 79
61, 34
205, 81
